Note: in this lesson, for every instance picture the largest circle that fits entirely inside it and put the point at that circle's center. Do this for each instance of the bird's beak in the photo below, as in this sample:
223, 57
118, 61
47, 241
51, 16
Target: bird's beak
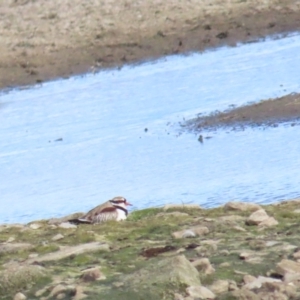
127, 203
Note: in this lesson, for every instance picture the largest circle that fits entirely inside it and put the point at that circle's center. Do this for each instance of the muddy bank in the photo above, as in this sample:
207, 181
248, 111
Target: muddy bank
42, 40
269, 112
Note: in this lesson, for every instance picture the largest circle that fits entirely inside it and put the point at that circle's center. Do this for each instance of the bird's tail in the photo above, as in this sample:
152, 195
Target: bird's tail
79, 221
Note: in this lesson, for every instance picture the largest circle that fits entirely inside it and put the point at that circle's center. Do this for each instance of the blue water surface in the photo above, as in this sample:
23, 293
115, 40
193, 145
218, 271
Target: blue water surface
105, 150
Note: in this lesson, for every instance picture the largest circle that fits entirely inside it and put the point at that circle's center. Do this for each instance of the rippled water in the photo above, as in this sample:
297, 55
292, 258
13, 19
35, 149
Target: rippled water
105, 150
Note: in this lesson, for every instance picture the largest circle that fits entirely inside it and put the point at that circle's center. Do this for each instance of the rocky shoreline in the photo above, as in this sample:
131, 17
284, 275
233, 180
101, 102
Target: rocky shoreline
182, 252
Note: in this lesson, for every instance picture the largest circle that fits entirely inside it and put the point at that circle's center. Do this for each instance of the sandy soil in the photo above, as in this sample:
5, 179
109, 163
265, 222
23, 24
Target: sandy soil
42, 40
270, 112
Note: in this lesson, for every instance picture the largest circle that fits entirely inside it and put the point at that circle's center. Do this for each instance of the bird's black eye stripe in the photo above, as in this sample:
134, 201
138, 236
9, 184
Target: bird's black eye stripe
118, 201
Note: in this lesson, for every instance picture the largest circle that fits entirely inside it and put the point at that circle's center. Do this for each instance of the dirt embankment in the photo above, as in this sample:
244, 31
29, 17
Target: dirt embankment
42, 40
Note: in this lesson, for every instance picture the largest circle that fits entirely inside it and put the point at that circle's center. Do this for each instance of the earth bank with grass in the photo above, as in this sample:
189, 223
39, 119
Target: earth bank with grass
238, 251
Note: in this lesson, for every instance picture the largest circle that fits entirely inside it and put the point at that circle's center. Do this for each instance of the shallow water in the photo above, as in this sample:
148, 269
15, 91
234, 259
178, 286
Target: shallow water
105, 150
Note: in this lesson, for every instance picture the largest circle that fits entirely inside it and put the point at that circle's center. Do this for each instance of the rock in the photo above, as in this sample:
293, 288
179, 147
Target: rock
209, 220
257, 217
40, 292
241, 206
224, 265
71, 250
296, 255
269, 222
200, 230
239, 228
62, 289
287, 248
291, 278
212, 243
188, 234
67, 225
287, 267
180, 250
79, 293
191, 232
290, 290
35, 226
224, 252
257, 283
10, 239
178, 297
118, 284
271, 243
61, 296
261, 218
65, 219
176, 271
33, 255
92, 274
249, 278
240, 272
245, 294
20, 296
251, 257
245, 255
200, 292
204, 265
181, 206
232, 286
219, 287
57, 237
275, 295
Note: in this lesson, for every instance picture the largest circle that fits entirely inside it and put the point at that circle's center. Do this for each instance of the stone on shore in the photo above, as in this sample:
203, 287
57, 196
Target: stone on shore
175, 271
92, 274
67, 225
57, 237
35, 226
191, 232
258, 282
204, 265
61, 289
261, 218
219, 287
241, 206
288, 269
20, 296
200, 292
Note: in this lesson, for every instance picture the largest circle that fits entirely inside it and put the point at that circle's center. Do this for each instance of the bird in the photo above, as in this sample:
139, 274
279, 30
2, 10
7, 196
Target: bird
114, 209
